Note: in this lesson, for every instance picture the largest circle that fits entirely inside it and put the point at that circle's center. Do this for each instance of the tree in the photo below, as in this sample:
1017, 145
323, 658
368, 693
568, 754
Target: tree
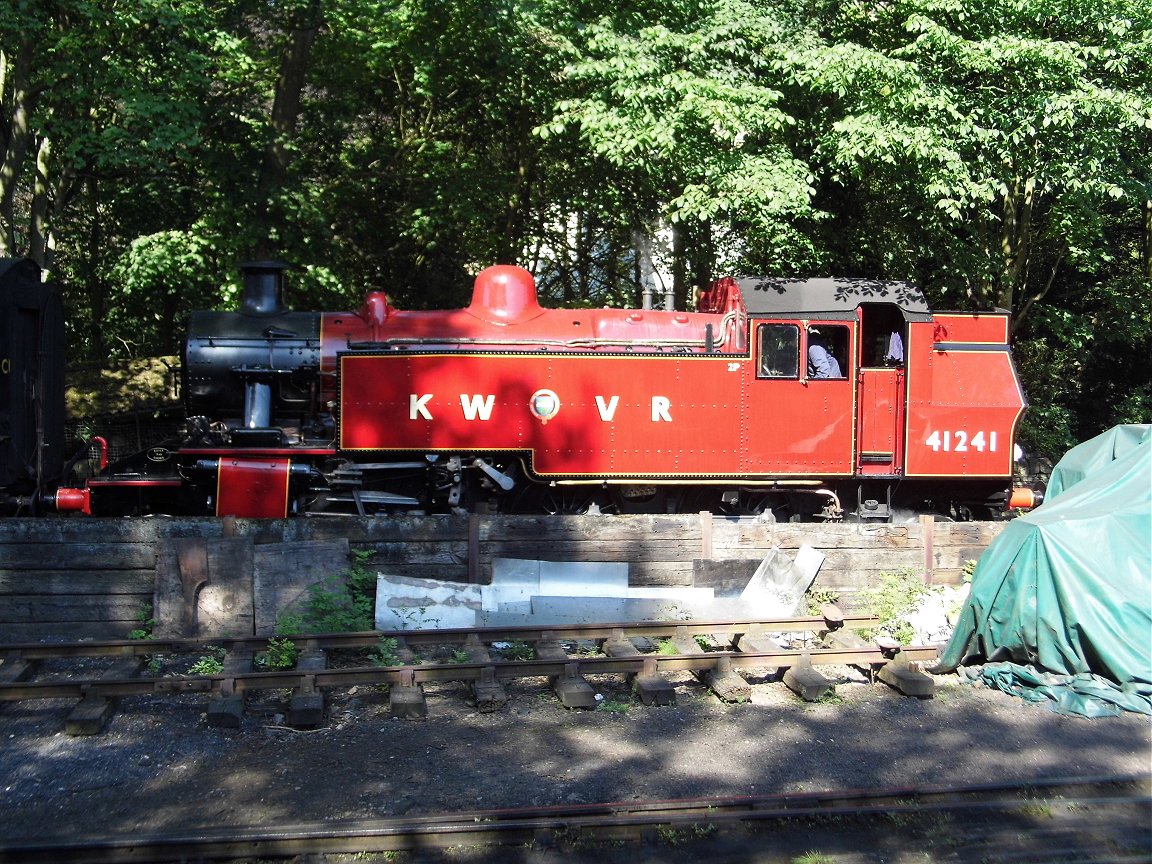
1007, 131
999, 155
677, 105
102, 103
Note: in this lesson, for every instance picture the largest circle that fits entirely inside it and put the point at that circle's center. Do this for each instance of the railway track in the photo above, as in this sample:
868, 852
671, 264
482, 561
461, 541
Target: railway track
97, 674
1102, 820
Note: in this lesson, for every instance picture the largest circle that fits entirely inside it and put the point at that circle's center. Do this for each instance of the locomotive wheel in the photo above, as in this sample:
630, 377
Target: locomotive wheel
576, 501
749, 503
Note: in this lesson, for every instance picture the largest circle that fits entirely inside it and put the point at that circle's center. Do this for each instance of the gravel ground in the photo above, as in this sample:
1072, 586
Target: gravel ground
157, 766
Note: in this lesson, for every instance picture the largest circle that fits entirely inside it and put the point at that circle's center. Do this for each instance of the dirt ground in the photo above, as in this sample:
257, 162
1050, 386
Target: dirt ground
158, 766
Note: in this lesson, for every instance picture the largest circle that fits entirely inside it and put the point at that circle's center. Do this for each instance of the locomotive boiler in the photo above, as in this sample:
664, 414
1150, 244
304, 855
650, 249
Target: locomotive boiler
506, 406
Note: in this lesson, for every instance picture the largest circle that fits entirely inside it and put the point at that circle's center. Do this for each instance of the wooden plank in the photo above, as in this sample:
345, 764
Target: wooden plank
956, 557
729, 536
52, 608
448, 573
660, 573
927, 524
726, 578
967, 533
596, 529
95, 556
80, 529
474, 575
204, 587
883, 561
730, 531
224, 607
436, 528
448, 553
282, 573
846, 583
945, 576
596, 550
77, 581
373, 529
64, 630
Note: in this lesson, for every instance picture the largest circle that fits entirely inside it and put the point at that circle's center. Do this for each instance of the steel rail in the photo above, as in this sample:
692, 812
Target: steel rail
444, 636
503, 670
627, 820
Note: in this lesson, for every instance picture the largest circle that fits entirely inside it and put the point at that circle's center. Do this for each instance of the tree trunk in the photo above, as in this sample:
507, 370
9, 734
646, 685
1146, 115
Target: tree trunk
1016, 241
14, 75
679, 266
1148, 239
294, 64
96, 293
519, 201
38, 233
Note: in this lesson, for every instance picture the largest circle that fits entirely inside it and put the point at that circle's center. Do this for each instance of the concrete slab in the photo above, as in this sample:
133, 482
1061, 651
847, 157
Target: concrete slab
579, 610
671, 592
583, 579
607, 610
779, 583
405, 603
514, 580
537, 592
504, 619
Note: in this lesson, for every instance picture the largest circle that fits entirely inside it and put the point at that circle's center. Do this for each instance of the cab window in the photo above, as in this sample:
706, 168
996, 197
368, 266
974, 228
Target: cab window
779, 351
827, 351
882, 335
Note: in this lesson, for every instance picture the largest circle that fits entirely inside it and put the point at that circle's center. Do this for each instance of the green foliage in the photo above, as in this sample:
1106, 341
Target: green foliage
145, 620
280, 654
518, 650
667, 647
414, 617
995, 153
968, 570
144, 631
814, 857
341, 603
673, 836
895, 594
584, 648
210, 664
613, 706
386, 652
816, 599
158, 277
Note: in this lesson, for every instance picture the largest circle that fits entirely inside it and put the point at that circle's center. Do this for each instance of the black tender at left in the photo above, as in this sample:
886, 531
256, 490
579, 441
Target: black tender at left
32, 456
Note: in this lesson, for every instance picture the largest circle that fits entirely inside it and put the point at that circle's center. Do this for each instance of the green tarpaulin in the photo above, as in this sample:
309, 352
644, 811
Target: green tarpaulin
1062, 599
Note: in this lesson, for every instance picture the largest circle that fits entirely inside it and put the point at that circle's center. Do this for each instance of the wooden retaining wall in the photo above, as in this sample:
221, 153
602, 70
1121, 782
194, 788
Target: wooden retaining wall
93, 578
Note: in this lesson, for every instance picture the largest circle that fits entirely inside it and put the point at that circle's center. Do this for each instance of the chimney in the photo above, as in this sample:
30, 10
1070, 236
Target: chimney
263, 287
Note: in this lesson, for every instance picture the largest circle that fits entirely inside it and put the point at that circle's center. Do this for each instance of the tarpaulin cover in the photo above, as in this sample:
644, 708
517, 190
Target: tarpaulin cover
1067, 589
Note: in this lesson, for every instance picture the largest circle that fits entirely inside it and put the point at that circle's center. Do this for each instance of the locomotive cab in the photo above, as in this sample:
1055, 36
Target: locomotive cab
863, 395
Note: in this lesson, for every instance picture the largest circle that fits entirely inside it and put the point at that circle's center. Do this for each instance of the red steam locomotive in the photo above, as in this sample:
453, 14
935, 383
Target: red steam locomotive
817, 399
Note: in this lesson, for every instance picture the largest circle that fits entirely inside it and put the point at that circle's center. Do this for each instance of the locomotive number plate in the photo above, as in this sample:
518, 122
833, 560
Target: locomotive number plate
961, 441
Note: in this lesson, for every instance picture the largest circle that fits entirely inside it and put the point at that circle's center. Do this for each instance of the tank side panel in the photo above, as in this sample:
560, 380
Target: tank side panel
614, 415
972, 327
964, 401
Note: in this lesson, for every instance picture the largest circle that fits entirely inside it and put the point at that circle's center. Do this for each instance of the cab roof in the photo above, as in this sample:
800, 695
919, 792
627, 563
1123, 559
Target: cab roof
773, 296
